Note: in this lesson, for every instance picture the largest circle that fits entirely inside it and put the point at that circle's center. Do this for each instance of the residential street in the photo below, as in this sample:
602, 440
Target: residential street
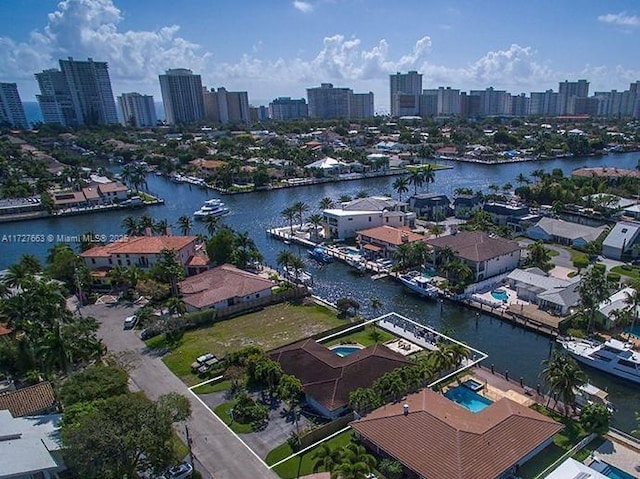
222, 454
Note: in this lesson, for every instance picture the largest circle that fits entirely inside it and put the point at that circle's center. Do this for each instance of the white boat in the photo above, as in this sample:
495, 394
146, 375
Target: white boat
416, 282
613, 356
590, 394
298, 275
213, 202
211, 208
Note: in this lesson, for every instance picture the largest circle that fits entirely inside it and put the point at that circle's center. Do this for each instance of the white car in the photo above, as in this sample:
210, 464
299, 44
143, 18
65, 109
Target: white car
181, 471
130, 322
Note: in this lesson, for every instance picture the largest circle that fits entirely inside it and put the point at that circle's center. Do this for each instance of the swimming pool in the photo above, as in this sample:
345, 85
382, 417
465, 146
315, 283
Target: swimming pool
500, 295
468, 399
473, 385
635, 331
345, 350
351, 250
610, 471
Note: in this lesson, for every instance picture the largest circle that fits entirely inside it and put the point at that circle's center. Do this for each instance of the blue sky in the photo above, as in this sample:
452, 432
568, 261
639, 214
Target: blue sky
281, 47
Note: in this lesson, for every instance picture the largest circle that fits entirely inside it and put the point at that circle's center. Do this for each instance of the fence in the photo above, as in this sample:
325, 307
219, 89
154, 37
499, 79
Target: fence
578, 447
325, 430
485, 284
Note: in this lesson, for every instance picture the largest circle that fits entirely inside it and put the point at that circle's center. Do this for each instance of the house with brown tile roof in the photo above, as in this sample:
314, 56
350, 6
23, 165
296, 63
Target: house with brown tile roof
142, 251
223, 286
327, 379
485, 254
113, 191
433, 436
382, 241
29, 401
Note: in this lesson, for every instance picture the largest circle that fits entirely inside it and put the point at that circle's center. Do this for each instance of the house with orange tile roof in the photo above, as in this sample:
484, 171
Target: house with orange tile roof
142, 251
383, 241
223, 286
327, 378
29, 401
113, 191
433, 436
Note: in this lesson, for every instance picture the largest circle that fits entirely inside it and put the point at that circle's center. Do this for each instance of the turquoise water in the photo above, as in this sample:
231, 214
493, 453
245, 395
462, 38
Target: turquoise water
500, 295
474, 402
635, 331
343, 351
610, 471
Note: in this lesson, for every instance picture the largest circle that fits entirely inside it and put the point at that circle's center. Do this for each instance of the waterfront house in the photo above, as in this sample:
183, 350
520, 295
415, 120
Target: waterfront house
486, 255
30, 447
327, 379
222, 287
551, 294
465, 205
621, 239
365, 213
328, 166
433, 436
505, 214
608, 309
383, 241
431, 206
113, 192
142, 251
564, 232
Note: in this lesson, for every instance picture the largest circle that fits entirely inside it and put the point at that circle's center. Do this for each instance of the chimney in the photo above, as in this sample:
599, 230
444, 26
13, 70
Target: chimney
406, 409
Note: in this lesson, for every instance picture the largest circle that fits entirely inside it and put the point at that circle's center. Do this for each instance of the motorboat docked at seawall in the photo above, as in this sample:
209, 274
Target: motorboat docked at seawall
212, 207
613, 356
589, 394
319, 254
298, 275
416, 282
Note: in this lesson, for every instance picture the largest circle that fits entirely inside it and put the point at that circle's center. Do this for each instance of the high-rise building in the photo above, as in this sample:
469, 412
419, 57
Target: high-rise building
224, 106
361, 106
405, 89
519, 105
11, 109
543, 103
137, 110
182, 96
90, 88
77, 94
329, 102
286, 108
490, 102
567, 94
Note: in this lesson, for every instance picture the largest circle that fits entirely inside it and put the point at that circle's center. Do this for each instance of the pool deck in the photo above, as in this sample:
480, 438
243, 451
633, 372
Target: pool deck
620, 452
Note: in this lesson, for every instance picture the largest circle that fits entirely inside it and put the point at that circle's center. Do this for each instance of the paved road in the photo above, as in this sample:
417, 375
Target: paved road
222, 454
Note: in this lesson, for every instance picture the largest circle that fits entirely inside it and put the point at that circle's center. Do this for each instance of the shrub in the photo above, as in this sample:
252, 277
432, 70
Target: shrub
600, 267
246, 410
613, 277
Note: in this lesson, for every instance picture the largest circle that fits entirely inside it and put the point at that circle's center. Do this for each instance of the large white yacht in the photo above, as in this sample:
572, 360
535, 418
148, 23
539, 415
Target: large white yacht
212, 207
613, 356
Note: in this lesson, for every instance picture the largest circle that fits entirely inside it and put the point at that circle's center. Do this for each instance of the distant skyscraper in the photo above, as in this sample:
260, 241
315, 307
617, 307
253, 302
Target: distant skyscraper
224, 106
490, 102
137, 110
77, 94
405, 89
11, 110
543, 103
182, 96
285, 108
328, 102
567, 94
361, 106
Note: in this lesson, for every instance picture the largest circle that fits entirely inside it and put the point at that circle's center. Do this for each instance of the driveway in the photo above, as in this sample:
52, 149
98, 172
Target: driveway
221, 453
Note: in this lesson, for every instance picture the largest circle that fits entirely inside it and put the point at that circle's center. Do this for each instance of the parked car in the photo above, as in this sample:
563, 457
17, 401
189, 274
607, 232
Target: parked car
130, 322
180, 471
204, 363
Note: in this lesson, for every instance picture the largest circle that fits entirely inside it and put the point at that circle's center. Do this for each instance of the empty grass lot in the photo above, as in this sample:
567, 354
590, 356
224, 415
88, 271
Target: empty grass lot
268, 328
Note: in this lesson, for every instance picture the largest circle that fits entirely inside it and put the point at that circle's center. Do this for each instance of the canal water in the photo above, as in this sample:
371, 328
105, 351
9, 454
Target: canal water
509, 348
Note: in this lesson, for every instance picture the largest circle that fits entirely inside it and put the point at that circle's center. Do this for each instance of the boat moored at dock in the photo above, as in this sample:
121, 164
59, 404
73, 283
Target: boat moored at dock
416, 282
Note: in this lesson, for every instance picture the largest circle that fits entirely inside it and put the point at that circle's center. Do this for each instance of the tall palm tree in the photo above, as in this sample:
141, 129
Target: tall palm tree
146, 223
185, 224
401, 185
562, 375
300, 207
210, 223
416, 178
326, 203
17, 276
176, 305
315, 221
521, 179
284, 258
31, 262
632, 299
131, 226
160, 227
290, 215
429, 174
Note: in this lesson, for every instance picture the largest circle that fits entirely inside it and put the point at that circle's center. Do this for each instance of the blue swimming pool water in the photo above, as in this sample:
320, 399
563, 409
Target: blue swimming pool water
343, 351
351, 250
610, 471
635, 331
473, 401
500, 294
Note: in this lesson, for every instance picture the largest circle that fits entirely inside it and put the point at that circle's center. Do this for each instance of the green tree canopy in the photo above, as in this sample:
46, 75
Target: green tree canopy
96, 382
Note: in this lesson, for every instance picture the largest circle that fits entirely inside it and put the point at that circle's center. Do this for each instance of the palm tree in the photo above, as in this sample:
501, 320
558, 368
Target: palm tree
633, 301
31, 262
563, 376
356, 463
325, 457
344, 199
161, 227
284, 258
17, 275
326, 203
146, 223
210, 223
416, 178
429, 174
290, 215
401, 185
131, 226
300, 207
362, 194
537, 174
176, 305
521, 179
364, 400
185, 224
315, 221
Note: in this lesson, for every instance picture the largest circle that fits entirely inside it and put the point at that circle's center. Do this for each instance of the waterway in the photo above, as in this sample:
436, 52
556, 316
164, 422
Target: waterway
510, 348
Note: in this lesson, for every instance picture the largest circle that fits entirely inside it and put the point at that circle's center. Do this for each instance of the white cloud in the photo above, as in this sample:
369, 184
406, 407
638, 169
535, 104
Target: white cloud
89, 28
621, 19
304, 7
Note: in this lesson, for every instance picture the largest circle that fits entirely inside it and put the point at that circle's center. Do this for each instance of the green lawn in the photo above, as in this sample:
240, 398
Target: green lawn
435, 167
180, 449
214, 387
222, 412
301, 465
363, 336
269, 328
627, 270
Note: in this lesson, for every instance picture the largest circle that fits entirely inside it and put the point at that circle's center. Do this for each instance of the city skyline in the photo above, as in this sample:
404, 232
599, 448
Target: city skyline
287, 47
